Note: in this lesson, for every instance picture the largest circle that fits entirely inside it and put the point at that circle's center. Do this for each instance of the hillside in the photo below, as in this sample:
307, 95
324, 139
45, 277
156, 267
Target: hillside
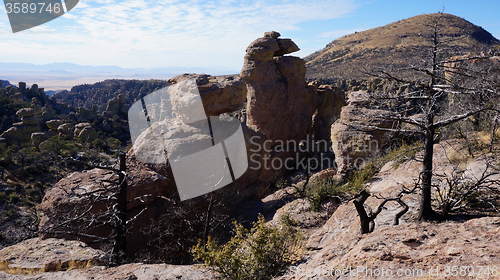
394, 45
89, 95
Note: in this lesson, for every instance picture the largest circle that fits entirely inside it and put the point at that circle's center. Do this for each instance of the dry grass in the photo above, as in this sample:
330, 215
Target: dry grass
392, 45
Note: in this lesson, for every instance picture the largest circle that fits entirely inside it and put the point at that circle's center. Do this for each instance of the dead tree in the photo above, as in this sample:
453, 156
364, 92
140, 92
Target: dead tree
423, 110
367, 220
104, 207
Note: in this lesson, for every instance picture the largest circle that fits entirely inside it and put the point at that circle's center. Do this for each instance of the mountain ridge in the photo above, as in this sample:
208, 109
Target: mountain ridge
394, 44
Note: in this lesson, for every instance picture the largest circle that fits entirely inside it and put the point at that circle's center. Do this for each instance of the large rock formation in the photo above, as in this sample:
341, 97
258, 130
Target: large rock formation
21, 131
219, 94
279, 105
354, 145
330, 101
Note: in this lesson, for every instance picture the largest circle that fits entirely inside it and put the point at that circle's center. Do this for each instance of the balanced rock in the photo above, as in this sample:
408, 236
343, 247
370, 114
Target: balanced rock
53, 124
21, 131
278, 103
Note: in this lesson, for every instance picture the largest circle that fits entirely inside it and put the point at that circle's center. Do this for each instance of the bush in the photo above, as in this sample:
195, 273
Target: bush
321, 191
13, 198
259, 253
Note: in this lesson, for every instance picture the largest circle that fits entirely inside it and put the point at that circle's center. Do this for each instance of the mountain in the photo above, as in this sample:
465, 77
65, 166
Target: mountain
394, 45
60, 76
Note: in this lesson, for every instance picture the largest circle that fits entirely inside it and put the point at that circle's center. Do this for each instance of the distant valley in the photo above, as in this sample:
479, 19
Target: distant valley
60, 76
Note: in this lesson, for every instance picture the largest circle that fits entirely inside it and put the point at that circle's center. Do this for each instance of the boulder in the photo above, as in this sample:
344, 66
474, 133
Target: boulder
286, 46
219, 94
272, 34
88, 133
79, 127
35, 256
25, 112
54, 124
79, 193
65, 130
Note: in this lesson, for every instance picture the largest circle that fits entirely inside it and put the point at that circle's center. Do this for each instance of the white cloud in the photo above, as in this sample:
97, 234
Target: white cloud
147, 33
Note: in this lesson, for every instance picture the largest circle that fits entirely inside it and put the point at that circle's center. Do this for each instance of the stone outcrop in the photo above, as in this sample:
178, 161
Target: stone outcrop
136, 271
116, 106
53, 125
278, 103
414, 248
329, 104
21, 131
410, 245
79, 192
219, 94
353, 145
65, 131
85, 131
36, 256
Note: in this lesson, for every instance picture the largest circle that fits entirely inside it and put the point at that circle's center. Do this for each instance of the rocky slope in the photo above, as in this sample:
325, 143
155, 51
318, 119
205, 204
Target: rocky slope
411, 250
392, 45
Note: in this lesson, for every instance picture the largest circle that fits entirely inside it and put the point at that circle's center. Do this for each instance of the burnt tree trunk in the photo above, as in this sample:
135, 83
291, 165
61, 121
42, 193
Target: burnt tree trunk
121, 228
426, 212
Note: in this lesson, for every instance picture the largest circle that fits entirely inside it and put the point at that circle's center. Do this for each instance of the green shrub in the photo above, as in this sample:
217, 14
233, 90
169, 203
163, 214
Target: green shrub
259, 253
321, 191
13, 198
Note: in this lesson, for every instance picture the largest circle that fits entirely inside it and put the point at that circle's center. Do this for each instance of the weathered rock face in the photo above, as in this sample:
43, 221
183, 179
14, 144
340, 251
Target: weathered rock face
353, 146
129, 271
219, 94
278, 103
329, 104
35, 256
86, 191
410, 245
415, 247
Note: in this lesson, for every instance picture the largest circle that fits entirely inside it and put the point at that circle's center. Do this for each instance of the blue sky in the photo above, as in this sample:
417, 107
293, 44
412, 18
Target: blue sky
209, 34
